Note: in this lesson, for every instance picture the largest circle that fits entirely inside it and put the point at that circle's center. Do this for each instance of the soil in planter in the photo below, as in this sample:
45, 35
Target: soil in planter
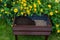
23, 20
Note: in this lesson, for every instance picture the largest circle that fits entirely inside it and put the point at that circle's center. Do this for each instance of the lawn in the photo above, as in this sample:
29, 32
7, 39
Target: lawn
7, 34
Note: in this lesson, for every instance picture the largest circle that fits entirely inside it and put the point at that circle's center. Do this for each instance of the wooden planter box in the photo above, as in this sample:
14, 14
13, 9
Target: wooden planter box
34, 25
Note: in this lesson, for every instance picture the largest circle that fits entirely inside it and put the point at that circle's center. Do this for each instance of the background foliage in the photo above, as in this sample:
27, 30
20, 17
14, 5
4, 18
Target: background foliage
11, 8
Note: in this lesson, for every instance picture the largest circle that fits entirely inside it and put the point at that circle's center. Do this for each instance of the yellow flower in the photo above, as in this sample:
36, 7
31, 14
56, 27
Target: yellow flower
28, 11
5, 4
34, 5
35, 10
57, 25
57, 1
51, 13
24, 4
49, 6
30, 7
25, 7
56, 11
41, 10
15, 10
7, 12
2, 10
21, 7
22, 13
58, 31
23, 0
0, 15
39, 2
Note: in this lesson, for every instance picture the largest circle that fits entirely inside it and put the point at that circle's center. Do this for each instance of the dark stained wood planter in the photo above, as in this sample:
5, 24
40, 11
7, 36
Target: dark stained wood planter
24, 28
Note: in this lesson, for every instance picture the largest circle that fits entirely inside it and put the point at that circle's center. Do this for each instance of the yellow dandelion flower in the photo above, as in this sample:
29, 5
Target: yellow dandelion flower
56, 11
24, 4
49, 6
7, 12
58, 31
51, 13
26, 8
5, 4
28, 11
23, 0
2, 10
0, 15
15, 10
21, 7
57, 1
39, 2
34, 5
41, 10
22, 13
57, 25
35, 10
30, 7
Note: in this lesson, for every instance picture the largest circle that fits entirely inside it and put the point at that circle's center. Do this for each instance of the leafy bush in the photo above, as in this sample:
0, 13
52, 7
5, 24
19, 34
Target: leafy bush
11, 8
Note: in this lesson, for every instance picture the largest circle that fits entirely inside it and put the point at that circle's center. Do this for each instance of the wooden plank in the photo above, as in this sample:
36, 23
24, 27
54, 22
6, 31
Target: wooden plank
31, 26
31, 29
32, 33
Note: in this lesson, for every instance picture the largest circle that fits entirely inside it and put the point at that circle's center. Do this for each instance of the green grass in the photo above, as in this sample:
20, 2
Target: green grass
7, 34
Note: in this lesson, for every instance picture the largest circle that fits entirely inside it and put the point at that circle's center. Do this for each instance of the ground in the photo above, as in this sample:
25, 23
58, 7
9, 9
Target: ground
7, 34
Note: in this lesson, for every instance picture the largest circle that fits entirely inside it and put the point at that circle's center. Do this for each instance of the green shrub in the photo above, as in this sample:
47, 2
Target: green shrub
11, 8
